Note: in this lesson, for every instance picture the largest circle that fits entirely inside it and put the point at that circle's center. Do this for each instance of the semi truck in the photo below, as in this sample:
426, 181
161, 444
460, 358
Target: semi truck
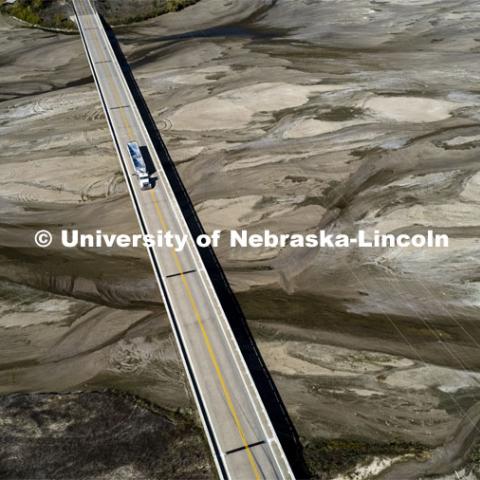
139, 166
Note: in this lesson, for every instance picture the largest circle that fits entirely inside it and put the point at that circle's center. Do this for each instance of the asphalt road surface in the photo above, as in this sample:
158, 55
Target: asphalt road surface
242, 439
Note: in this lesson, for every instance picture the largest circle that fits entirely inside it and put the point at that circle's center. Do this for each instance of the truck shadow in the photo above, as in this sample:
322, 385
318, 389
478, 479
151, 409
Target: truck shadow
149, 163
270, 396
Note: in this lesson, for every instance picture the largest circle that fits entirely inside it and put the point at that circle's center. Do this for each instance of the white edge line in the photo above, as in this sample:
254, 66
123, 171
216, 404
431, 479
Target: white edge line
169, 314
198, 261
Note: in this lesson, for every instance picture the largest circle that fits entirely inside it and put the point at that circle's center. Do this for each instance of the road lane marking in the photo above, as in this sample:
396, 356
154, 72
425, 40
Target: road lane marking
115, 91
185, 282
208, 344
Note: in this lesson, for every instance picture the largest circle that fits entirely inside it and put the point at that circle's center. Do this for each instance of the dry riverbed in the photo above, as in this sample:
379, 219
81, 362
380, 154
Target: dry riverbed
291, 116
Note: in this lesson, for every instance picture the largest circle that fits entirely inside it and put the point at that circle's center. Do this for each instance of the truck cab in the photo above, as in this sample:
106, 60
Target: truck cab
145, 183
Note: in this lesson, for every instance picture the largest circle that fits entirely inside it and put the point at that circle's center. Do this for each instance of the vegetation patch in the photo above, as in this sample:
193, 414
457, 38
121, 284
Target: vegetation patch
176, 5
157, 8
473, 465
46, 13
326, 458
53, 14
102, 434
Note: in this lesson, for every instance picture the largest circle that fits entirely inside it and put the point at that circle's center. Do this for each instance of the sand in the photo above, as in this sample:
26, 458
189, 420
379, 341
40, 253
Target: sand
233, 110
309, 115
410, 109
311, 127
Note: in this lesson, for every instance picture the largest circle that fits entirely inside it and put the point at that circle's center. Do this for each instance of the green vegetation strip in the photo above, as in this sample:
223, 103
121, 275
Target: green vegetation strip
49, 14
34, 12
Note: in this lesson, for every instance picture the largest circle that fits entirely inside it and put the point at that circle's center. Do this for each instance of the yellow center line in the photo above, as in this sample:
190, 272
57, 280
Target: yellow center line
208, 344
115, 92
192, 301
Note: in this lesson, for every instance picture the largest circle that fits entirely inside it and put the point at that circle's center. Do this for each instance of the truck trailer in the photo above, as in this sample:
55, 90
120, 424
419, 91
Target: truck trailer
139, 166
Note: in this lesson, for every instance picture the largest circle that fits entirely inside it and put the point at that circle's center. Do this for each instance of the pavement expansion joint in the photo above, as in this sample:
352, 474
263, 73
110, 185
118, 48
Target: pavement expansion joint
179, 273
243, 447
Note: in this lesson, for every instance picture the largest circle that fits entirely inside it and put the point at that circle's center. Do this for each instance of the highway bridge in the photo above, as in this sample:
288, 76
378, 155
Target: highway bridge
239, 431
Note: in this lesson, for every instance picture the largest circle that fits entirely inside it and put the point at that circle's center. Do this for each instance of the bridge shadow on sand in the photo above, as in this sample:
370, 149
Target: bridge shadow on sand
271, 398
